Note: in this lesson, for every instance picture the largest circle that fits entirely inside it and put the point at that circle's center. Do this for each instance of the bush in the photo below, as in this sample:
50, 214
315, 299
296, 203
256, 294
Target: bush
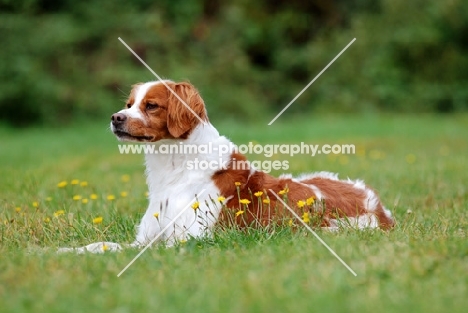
61, 60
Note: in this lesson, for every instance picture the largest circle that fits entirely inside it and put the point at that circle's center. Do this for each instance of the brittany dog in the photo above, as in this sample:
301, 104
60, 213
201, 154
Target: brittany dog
157, 116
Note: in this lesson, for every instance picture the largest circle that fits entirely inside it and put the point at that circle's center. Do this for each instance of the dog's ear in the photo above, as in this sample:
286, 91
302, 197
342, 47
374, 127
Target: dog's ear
180, 119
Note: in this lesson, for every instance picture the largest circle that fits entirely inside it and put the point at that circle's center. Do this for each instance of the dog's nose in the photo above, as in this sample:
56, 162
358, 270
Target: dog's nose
118, 118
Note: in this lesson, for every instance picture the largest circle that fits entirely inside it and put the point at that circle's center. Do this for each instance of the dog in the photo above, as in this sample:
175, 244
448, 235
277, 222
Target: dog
186, 203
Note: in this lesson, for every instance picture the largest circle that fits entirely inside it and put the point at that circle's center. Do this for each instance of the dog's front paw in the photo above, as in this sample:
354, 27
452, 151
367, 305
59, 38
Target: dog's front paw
101, 247
79, 250
97, 247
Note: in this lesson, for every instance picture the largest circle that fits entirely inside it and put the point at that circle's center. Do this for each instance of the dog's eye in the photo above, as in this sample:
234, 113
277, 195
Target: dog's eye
151, 106
128, 105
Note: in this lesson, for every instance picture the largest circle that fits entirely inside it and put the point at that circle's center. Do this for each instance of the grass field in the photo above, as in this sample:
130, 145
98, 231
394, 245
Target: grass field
418, 164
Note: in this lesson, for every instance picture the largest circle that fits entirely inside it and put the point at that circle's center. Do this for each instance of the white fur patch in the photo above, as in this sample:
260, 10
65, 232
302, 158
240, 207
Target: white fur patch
172, 186
326, 175
387, 212
359, 222
317, 192
371, 201
358, 184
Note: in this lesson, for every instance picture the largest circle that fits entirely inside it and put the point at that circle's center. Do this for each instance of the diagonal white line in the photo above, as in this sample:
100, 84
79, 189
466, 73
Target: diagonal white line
313, 80
160, 233
161, 80
314, 233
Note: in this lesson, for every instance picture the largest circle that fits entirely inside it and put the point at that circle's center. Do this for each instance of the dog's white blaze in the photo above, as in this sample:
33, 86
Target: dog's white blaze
134, 111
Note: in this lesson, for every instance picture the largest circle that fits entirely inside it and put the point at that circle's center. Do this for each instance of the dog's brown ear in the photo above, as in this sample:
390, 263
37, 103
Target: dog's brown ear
181, 120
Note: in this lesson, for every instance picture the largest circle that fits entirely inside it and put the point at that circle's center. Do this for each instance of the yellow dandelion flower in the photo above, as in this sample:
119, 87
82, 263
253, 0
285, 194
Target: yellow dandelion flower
237, 183
300, 204
97, 220
147, 194
62, 184
35, 204
156, 215
284, 191
75, 181
290, 223
18, 209
84, 201
93, 196
221, 198
110, 197
266, 201
105, 247
258, 194
240, 212
48, 199
59, 212
195, 205
84, 184
123, 194
244, 201
46, 220
306, 217
310, 201
125, 178
76, 197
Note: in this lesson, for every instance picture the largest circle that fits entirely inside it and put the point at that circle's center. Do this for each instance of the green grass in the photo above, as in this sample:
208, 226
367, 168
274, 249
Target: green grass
417, 163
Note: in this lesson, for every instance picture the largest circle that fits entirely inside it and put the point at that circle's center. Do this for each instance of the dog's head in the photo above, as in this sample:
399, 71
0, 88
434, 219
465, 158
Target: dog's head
153, 112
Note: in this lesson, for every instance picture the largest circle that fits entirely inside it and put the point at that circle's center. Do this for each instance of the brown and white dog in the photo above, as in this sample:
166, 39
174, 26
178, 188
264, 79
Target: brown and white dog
156, 116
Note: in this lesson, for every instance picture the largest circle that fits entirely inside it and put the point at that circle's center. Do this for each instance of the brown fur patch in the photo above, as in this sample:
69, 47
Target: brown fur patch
180, 120
226, 181
340, 198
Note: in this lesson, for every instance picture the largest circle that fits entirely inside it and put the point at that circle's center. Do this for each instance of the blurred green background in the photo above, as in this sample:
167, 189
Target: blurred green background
61, 61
